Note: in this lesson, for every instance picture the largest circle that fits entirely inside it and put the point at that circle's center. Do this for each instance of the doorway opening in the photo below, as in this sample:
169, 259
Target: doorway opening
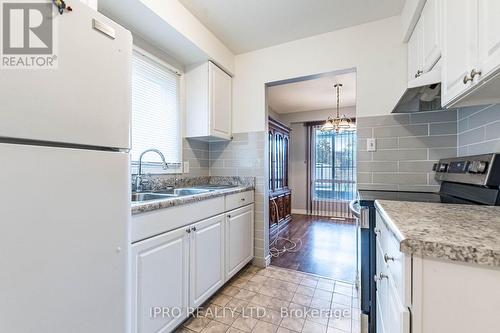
312, 175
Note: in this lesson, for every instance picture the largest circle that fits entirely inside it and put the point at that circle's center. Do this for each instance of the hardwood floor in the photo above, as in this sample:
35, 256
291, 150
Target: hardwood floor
328, 247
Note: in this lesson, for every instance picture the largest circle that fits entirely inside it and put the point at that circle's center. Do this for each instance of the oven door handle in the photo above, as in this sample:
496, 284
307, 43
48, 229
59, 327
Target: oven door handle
352, 208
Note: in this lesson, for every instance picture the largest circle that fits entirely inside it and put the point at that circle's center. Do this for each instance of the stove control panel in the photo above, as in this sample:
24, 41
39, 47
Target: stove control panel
477, 170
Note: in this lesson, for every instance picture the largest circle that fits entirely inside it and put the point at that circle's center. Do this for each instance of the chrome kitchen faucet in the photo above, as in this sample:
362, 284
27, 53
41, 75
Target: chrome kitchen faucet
138, 180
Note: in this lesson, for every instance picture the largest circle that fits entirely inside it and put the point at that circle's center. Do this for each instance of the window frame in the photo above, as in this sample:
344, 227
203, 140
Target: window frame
156, 168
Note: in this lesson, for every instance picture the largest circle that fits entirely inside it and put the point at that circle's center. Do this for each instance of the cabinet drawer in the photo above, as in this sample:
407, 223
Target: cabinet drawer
398, 265
237, 200
155, 222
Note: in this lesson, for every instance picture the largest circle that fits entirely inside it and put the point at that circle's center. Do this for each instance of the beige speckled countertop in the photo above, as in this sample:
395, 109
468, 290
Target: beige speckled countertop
146, 206
465, 233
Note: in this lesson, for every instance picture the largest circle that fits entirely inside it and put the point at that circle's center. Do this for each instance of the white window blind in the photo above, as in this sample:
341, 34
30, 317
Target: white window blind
155, 112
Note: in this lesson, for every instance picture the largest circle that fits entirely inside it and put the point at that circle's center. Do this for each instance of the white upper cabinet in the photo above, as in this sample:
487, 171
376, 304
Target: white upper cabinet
415, 53
459, 47
431, 33
208, 102
424, 46
489, 35
471, 52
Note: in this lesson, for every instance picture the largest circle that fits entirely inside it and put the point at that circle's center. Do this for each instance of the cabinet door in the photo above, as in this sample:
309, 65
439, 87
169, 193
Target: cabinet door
206, 259
489, 36
381, 290
160, 279
415, 53
459, 47
431, 33
220, 90
239, 239
398, 316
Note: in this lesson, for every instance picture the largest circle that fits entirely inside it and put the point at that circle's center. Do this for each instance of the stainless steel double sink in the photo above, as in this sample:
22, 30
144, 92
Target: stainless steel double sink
177, 192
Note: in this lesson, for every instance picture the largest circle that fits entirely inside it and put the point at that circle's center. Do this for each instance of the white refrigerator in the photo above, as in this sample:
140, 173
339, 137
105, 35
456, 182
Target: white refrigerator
65, 183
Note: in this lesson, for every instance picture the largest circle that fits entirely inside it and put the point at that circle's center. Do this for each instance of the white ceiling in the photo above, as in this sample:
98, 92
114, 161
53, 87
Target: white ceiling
314, 94
246, 25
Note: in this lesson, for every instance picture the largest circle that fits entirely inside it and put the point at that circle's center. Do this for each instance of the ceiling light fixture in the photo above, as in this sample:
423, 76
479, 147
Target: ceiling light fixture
338, 124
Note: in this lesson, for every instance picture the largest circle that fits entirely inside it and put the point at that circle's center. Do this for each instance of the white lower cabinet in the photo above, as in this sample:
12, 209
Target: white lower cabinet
206, 273
239, 239
393, 316
178, 270
427, 295
160, 280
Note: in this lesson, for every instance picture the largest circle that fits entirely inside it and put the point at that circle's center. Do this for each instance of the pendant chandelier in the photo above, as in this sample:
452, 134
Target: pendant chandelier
338, 124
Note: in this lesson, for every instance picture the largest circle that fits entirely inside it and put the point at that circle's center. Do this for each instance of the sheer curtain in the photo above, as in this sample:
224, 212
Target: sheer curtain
331, 172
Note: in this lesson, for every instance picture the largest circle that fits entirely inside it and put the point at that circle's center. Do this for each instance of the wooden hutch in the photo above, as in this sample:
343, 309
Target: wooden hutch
280, 196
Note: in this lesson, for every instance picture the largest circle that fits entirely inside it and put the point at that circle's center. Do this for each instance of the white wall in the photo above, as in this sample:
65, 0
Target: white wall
409, 17
91, 3
176, 15
273, 114
374, 49
169, 26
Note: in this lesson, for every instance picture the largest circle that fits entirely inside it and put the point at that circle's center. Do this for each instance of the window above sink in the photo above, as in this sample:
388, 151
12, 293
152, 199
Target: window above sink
156, 114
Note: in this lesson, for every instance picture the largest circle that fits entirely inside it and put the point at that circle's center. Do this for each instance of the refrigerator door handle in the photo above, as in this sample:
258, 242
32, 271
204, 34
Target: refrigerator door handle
353, 204
364, 220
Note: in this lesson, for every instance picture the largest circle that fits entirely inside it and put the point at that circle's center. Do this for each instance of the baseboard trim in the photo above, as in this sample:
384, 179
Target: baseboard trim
262, 262
299, 211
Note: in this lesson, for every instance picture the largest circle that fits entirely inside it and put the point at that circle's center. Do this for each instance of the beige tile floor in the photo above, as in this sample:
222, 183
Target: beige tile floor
278, 300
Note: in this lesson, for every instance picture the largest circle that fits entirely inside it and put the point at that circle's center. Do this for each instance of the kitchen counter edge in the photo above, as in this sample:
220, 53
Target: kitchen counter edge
147, 206
439, 250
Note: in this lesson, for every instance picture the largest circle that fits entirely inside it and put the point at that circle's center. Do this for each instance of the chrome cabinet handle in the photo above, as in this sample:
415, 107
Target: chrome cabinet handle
242, 199
380, 277
474, 72
467, 78
229, 216
419, 72
377, 231
193, 228
387, 258
188, 230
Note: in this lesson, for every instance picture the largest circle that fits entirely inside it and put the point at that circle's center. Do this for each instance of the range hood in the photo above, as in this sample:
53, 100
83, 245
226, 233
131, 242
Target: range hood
422, 94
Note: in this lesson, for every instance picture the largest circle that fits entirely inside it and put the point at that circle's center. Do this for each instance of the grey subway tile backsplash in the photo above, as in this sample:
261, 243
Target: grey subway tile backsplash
401, 130
400, 155
479, 130
407, 147
415, 166
244, 156
471, 136
492, 131
439, 153
364, 132
377, 166
432, 117
484, 116
399, 178
443, 128
376, 121
434, 141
